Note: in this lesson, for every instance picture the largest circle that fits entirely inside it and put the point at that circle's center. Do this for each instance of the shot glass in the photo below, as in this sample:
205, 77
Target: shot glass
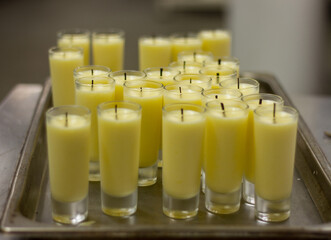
275, 139
149, 95
91, 70
108, 48
220, 94
186, 67
245, 85
225, 153
217, 41
254, 101
90, 92
183, 134
195, 56
230, 62
154, 51
164, 75
199, 80
68, 139
184, 42
76, 38
182, 93
119, 140
62, 62
121, 77
218, 74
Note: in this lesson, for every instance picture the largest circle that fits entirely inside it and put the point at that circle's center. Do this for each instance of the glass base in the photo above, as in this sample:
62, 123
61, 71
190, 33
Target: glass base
70, 212
147, 176
203, 181
119, 206
272, 211
248, 192
180, 208
221, 203
94, 174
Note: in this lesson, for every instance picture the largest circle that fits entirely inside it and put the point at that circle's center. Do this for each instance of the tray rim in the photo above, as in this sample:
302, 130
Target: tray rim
224, 230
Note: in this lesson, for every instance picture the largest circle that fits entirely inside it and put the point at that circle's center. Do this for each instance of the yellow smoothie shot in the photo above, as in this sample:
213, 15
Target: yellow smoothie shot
229, 62
225, 153
195, 56
164, 75
121, 77
68, 139
91, 70
199, 80
76, 38
182, 93
186, 67
184, 42
154, 51
216, 41
108, 48
218, 74
90, 92
62, 63
149, 95
254, 101
183, 134
275, 138
119, 143
245, 85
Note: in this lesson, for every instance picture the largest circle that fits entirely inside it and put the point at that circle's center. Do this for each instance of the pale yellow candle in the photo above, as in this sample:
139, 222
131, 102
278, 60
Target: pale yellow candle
245, 85
68, 139
119, 136
108, 48
91, 70
90, 92
218, 74
164, 75
217, 42
186, 67
121, 77
220, 94
182, 93
195, 56
183, 131
62, 63
230, 62
154, 51
182, 42
275, 138
199, 80
76, 38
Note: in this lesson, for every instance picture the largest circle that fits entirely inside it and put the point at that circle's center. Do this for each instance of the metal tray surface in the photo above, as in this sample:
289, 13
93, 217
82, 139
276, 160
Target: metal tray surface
28, 208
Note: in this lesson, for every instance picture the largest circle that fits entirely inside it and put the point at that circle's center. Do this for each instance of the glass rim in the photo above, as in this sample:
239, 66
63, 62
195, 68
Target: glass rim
109, 79
62, 109
268, 109
254, 82
179, 35
77, 32
103, 106
198, 51
154, 36
79, 69
176, 64
207, 91
264, 96
227, 102
129, 73
158, 69
202, 77
56, 49
220, 68
215, 30
174, 88
135, 85
108, 32
176, 106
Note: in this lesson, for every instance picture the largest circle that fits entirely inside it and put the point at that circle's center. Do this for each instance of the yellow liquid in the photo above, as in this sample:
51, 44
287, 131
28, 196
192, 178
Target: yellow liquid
151, 103
187, 97
119, 80
245, 88
77, 42
182, 151
119, 151
184, 44
225, 150
68, 156
62, 66
109, 52
217, 42
91, 98
275, 154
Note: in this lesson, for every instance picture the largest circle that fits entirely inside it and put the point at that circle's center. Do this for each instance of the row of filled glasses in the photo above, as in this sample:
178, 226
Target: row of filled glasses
108, 45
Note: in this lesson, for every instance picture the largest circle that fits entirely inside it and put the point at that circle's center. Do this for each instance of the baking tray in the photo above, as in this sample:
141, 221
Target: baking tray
28, 209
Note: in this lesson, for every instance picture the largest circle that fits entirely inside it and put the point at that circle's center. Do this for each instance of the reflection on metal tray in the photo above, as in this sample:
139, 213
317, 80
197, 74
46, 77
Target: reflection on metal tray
29, 206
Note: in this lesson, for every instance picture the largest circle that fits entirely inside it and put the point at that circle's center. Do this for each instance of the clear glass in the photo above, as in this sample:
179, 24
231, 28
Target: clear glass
119, 141
121, 77
91, 70
108, 48
76, 38
275, 132
230, 62
246, 86
195, 56
68, 139
200, 80
184, 42
225, 154
149, 95
187, 93
220, 93
186, 67
217, 41
154, 51
164, 75
90, 92
254, 101
62, 62
218, 74
183, 134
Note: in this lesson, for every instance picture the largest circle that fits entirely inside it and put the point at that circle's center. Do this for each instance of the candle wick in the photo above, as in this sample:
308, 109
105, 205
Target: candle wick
184, 65
191, 80
125, 76
141, 91
194, 56
182, 114
92, 72
92, 85
260, 101
161, 72
219, 61
223, 109
274, 113
180, 91
116, 117
218, 78
216, 96
238, 84
66, 122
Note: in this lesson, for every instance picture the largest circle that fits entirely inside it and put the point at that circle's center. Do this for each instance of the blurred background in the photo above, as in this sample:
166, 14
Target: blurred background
290, 39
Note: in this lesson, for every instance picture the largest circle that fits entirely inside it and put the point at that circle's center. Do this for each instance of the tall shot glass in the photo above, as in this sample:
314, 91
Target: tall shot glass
119, 142
275, 138
183, 134
68, 139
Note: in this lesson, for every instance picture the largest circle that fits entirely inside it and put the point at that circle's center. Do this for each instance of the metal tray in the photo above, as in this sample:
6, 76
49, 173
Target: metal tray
28, 208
